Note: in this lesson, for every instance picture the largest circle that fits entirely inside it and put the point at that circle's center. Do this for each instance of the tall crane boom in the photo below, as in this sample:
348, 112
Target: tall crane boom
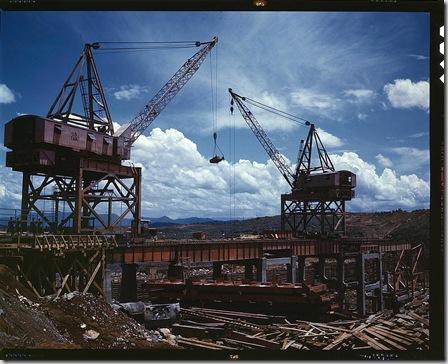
261, 135
154, 107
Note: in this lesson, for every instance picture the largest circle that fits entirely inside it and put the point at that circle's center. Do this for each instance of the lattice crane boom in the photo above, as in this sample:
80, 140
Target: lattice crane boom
261, 135
155, 106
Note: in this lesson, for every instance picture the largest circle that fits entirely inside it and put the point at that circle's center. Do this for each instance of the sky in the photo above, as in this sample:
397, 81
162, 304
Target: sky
362, 78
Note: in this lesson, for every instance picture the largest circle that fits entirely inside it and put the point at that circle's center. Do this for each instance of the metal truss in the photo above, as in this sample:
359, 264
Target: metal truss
305, 216
106, 199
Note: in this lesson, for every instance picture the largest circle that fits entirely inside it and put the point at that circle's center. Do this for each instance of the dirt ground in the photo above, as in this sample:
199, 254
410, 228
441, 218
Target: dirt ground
73, 321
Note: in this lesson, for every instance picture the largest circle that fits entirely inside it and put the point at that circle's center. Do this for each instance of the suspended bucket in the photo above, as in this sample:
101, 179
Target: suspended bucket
217, 158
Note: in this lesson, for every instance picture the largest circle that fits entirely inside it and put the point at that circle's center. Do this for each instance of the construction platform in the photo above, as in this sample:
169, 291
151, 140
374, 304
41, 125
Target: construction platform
246, 249
52, 264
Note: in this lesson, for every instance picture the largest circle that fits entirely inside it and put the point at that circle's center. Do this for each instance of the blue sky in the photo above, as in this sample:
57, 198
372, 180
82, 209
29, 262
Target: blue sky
361, 77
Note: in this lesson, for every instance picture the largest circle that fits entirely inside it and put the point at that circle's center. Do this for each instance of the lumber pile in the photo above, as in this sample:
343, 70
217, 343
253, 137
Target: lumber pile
231, 330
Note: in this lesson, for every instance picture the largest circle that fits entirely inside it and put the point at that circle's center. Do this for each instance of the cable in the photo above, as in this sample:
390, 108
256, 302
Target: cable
143, 48
123, 50
150, 42
277, 111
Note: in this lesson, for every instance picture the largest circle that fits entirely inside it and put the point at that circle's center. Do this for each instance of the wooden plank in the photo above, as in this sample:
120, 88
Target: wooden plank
245, 344
404, 340
64, 281
196, 345
206, 344
369, 341
382, 337
98, 287
254, 340
60, 272
86, 288
341, 338
419, 318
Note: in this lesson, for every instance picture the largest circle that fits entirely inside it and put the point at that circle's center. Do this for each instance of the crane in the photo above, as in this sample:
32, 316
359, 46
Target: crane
316, 190
80, 154
85, 76
154, 107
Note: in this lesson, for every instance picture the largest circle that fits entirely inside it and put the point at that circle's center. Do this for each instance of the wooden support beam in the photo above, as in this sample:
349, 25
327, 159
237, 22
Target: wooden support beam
98, 287
60, 272
64, 281
92, 277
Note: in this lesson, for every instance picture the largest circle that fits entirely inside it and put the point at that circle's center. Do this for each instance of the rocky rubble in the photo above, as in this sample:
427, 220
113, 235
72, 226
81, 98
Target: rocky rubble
72, 321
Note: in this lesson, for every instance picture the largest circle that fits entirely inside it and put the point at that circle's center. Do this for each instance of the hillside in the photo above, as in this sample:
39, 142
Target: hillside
413, 226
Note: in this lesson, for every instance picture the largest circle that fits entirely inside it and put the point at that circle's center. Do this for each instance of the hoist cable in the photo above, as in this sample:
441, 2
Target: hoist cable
276, 111
216, 87
149, 42
142, 48
110, 51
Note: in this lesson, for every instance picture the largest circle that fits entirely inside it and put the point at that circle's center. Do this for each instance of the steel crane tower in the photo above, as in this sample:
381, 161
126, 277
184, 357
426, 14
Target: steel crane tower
75, 159
318, 191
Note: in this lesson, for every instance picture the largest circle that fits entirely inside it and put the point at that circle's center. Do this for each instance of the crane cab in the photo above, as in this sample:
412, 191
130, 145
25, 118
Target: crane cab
334, 185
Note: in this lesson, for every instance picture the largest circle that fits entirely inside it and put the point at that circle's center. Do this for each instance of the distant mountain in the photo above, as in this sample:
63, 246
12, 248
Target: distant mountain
167, 221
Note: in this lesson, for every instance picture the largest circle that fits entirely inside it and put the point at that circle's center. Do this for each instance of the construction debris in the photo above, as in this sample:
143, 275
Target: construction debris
73, 321
229, 330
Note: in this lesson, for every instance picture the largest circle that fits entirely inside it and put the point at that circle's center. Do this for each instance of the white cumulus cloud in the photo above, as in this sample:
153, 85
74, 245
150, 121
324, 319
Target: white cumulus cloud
405, 94
329, 140
6, 95
384, 190
384, 161
129, 92
411, 159
178, 181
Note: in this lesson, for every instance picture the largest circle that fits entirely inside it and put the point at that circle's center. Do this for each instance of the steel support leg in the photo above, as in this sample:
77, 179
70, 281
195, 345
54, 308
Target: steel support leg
77, 214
